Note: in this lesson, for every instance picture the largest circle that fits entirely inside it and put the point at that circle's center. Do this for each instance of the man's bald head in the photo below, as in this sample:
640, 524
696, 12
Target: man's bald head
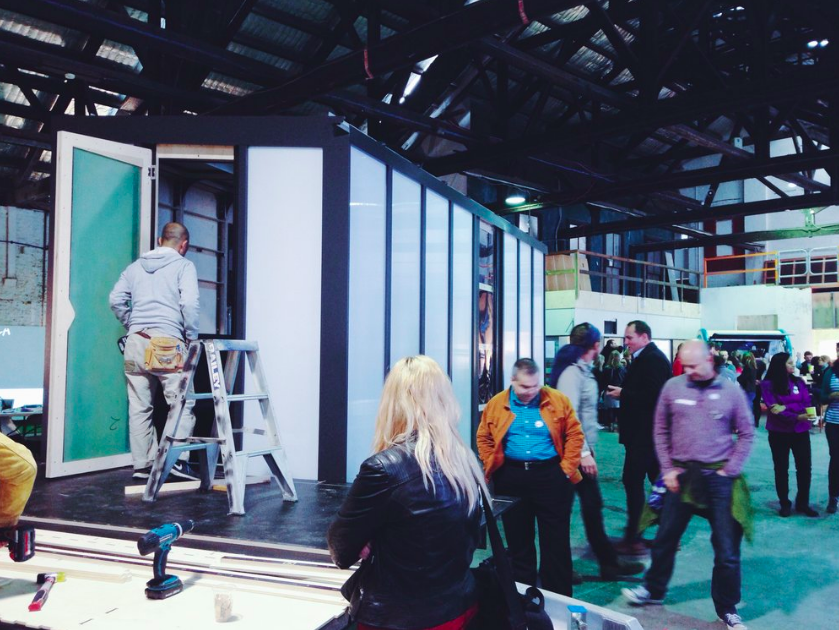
697, 361
176, 236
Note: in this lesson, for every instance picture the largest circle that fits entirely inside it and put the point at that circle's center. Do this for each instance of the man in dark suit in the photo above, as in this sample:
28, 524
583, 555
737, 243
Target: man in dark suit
647, 373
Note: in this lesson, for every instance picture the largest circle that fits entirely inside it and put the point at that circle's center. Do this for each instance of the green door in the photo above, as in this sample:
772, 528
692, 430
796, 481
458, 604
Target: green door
102, 215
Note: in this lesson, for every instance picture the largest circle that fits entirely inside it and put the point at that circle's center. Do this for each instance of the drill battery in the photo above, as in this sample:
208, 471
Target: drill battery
21, 542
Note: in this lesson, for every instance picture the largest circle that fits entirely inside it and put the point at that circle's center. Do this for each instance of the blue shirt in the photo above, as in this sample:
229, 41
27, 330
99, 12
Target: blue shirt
528, 437
831, 415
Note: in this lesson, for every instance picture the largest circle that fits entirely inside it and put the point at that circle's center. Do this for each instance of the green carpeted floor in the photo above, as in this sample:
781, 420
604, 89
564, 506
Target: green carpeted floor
790, 572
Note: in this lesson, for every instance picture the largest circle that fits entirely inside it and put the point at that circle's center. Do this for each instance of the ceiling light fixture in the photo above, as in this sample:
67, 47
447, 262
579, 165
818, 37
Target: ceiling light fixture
812, 44
824, 43
515, 199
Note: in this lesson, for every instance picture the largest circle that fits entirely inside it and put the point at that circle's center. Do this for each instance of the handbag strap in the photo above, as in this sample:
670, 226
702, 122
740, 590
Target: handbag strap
503, 568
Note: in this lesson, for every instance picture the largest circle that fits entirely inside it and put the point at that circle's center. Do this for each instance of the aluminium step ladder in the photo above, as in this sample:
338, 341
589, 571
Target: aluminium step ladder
234, 462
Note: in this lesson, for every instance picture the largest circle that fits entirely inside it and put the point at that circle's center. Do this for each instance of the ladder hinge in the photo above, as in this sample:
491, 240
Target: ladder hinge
152, 173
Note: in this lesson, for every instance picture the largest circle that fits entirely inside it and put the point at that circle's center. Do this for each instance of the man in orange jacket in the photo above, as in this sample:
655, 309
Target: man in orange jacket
530, 441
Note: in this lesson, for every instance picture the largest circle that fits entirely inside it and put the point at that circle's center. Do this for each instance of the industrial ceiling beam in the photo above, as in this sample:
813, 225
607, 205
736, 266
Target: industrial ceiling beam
717, 213
24, 52
737, 239
401, 116
779, 167
804, 82
24, 137
90, 19
445, 33
678, 229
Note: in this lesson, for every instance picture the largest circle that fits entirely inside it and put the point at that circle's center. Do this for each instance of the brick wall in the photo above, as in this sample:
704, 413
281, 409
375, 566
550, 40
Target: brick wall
22, 267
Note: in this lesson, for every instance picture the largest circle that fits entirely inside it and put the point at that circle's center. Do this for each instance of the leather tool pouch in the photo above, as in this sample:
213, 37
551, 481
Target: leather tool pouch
164, 355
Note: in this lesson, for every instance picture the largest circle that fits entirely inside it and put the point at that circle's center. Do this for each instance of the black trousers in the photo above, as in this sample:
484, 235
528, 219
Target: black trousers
831, 430
640, 462
781, 445
546, 496
591, 507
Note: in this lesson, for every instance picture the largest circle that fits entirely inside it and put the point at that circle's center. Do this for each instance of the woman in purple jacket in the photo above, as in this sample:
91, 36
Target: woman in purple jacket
786, 398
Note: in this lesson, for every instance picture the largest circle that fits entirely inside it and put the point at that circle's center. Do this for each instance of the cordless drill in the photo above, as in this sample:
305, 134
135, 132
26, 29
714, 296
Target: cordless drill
21, 542
160, 540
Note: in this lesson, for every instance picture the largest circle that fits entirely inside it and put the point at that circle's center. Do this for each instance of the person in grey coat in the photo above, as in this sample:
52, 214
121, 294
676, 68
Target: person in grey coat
156, 296
572, 375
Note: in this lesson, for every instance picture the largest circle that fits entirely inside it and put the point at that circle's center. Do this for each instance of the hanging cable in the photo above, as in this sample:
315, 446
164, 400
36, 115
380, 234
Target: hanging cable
367, 64
524, 19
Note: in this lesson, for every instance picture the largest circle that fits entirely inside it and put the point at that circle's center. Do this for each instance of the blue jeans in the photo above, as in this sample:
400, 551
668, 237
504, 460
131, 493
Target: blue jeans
726, 534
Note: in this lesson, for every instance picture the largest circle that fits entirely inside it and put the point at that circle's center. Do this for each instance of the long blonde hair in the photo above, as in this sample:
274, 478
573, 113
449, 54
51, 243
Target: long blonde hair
419, 409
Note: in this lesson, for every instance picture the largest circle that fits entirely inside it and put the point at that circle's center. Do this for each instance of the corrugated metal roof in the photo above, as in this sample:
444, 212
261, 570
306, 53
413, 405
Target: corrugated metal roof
313, 10
121, 54
264, 57
226, 85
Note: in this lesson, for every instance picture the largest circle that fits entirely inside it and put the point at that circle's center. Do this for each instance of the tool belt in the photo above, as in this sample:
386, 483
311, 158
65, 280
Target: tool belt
164, 355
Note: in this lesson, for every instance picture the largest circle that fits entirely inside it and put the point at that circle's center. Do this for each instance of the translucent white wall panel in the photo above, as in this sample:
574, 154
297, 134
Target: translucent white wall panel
285, 220
510, 306
539, 308
366, 349
405, 268
463, 324
525, 302
437, 278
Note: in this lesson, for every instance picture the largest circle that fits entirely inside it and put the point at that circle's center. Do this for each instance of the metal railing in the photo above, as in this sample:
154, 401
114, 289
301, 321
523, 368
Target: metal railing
815, 267
592, 271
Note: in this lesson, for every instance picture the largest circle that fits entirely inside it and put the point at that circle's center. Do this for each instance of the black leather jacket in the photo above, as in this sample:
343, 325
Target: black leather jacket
422, 543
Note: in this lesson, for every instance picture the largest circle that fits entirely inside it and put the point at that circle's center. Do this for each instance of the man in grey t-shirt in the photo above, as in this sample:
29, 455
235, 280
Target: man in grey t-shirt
703, 433
157, 296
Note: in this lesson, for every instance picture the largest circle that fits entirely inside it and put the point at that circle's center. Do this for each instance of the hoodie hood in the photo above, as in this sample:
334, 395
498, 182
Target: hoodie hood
158, 258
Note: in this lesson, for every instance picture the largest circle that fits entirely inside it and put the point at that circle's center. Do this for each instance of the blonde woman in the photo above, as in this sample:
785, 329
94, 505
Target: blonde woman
413, 510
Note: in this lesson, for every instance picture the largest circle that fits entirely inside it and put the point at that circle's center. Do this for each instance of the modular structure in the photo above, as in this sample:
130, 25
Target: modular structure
340, 257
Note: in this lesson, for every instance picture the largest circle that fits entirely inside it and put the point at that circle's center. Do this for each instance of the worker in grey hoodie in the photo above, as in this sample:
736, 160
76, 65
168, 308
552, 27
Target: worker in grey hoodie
571, 374
156, 297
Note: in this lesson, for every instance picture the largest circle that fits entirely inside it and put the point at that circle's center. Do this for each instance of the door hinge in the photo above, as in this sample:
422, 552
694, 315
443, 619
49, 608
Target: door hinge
152, 173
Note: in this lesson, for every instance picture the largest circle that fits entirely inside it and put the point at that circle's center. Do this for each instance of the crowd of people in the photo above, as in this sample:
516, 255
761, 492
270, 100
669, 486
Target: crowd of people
412, 512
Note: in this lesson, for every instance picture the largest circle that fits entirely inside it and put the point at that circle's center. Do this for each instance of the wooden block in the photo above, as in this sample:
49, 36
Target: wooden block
174, 486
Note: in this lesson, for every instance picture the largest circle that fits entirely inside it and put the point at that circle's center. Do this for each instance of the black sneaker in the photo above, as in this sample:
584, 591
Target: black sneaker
182, 469
141, 473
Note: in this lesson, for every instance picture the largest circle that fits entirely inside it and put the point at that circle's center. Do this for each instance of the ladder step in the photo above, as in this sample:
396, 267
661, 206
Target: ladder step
230, 397
240, 345
264, 451
196, 440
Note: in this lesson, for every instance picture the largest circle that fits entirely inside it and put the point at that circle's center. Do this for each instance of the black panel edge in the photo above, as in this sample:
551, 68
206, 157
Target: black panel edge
388, 265
334, 318
422, 270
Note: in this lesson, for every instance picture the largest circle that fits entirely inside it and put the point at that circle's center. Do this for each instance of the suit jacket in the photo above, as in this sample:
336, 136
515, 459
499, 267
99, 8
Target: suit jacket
645, 377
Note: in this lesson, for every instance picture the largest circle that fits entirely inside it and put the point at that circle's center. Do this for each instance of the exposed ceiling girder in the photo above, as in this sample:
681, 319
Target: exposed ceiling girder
738, 239
716, 213
445, 33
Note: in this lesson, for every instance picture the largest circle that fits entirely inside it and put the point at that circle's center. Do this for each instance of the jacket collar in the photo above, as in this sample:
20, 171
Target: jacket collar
717, 384
543, 397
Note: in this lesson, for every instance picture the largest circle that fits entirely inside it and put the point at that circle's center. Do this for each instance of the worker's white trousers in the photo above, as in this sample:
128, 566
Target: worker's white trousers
142, 386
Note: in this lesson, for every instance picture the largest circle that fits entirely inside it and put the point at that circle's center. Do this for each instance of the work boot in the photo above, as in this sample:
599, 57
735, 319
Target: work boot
631, 548
806, 510
832, 504
623, 568
786, 509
